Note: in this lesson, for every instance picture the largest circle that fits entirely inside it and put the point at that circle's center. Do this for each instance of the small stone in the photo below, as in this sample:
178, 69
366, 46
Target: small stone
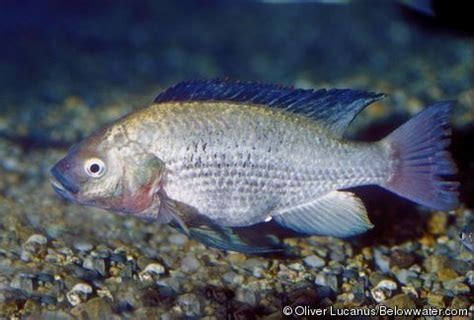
34, 246
95, 264
410, 290
405, 276
345, 298
296, 266
190, 264
37, 239
436, 300
327, 280
461, 289
382, 261
376, 277
174, 283
44, 277
401, 301
460, 302
247, 296
96, 308
8, 308
438, 222
152, 271
31, 307
232, 278
55, 315
314, 261
178, 239
190, 304
79, 293
401, 259
435, 263
446, 274
83, 246
236, 258
383, 290
470, 277
256, 266
22, 282
337, 255
450, 284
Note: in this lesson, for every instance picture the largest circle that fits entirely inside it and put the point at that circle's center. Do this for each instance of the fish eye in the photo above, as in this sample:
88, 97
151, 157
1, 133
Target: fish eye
94, 167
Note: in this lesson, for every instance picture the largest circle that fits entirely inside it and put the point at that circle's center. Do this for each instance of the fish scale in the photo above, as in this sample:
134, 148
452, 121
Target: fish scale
327, 165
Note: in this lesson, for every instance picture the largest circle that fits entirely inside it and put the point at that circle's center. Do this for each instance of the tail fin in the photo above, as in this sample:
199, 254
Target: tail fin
422, 161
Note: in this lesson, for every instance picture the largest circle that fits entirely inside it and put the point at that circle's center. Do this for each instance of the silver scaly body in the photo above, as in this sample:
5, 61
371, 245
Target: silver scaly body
241, 164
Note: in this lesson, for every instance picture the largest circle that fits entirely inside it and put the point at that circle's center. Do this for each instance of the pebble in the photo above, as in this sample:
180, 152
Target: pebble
36, 239
435, 300
446, 274
314, 261
95, 264
256, 266
435, 263
55, 315
401, 301
381, 260
96, 308
178, 239
383, 290
175, 283
34, 246
470, 277
190, 264
246, 295
460, 302
83, 246
232, 278
79, 293
405, 276
22, 282
152, 271
461, 289
327, 280
191, 304
410, 290
438, 222
401, 259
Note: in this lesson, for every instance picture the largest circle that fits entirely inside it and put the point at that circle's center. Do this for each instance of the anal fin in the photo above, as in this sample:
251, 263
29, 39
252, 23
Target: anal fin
338, 213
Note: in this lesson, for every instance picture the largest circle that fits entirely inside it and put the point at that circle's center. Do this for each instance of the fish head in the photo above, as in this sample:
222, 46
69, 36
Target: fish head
111, 175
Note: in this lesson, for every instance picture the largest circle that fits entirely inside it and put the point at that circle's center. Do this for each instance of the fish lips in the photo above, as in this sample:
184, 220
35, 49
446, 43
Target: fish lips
62, 183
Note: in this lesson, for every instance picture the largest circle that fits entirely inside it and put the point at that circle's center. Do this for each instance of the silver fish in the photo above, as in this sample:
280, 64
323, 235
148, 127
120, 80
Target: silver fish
210, 157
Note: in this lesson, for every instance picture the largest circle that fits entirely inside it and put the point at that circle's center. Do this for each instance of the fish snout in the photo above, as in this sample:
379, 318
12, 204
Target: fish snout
61, 181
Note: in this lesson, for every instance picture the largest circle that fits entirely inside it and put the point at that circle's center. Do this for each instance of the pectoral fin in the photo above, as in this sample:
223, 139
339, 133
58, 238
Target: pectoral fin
232, 239
339, 214
197, 226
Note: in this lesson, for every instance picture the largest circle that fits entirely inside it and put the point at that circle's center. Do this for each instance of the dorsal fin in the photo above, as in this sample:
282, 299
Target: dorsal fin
334, 108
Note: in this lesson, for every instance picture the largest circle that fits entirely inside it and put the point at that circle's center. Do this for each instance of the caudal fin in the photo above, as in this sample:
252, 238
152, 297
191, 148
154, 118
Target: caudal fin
423, 166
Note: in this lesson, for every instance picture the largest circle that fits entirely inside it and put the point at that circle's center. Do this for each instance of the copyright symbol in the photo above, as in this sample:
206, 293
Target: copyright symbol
287, 311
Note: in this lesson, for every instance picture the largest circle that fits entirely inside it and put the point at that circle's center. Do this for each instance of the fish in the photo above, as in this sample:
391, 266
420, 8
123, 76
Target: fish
213, 158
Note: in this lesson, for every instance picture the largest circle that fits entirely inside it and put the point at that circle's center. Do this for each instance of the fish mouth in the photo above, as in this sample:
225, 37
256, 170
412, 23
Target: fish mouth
62, 184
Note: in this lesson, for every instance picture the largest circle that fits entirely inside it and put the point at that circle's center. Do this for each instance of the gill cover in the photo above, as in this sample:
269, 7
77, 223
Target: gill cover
142, 175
